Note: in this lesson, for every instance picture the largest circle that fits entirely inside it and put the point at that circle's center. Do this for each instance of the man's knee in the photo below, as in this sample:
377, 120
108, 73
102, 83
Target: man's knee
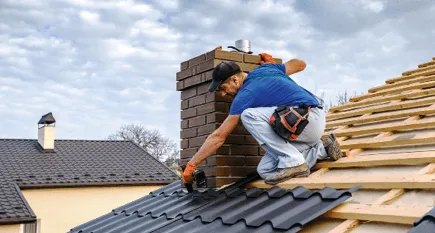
262, 172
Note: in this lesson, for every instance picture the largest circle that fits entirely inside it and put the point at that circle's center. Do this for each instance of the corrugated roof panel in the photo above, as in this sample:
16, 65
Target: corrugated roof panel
167, 190
197, 226
426, 224
297, 204
232, 209
126, 224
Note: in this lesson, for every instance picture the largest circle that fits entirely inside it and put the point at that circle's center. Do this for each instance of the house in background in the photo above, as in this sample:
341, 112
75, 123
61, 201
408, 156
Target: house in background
384, 183
49, 185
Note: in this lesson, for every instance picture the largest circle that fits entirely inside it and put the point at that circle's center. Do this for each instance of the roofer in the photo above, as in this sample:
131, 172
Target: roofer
286, 120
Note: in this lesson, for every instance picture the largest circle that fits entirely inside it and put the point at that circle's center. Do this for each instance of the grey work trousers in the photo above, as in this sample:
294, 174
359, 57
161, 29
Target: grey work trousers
279, 153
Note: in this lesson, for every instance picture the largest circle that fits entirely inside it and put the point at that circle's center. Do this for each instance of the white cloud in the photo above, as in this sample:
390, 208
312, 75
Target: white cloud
375, 6
7, 50
90, 17
99, 64
126, 6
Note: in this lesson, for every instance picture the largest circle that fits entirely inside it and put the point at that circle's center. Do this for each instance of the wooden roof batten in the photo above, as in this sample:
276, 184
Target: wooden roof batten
373, 130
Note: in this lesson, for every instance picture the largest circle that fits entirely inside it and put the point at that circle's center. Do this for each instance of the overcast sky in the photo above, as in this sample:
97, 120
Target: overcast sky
100, 64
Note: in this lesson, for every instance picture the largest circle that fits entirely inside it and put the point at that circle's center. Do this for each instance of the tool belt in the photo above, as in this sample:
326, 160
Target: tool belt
289, 122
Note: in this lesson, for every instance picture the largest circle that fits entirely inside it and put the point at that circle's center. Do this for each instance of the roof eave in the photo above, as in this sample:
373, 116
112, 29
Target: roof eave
11, 221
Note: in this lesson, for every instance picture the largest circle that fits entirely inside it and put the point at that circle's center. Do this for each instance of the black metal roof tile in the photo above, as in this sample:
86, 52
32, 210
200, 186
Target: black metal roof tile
273, 202
231, 209
426, 224
197, 226
168, 190
74, 163
125, 223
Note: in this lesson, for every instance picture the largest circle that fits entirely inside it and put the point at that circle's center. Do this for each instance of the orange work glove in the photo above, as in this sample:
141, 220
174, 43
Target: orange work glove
218, 48
187, 174
266, 58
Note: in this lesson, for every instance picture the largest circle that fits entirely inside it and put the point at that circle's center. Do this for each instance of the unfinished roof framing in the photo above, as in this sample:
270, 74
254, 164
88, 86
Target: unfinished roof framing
388, 139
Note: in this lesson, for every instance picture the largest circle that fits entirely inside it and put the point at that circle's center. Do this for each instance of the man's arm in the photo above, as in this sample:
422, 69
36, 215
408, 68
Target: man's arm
294, 66
216, 139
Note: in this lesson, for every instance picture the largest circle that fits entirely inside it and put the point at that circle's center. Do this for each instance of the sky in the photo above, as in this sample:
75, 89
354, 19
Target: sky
97, 65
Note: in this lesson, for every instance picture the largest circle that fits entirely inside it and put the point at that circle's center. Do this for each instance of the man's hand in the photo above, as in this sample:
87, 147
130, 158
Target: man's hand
187, 176
266, 58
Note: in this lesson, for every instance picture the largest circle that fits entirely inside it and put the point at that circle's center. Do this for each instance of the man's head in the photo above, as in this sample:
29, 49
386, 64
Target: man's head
227, 78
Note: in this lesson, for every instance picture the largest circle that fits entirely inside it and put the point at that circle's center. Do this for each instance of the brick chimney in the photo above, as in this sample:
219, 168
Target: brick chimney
203, 112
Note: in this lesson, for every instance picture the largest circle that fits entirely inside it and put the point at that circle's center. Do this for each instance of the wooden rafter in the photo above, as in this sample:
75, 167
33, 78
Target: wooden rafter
405, 181
382, 117
392, 106
415, 75
395, 140
350, 224
403, 83
430, 63
395, 90
418, 124
383, 99
412, 158
385, 199
380, 213
418, 70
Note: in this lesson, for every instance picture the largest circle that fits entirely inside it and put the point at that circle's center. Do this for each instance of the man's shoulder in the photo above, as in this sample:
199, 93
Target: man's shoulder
267, 69
243, 92
271, 66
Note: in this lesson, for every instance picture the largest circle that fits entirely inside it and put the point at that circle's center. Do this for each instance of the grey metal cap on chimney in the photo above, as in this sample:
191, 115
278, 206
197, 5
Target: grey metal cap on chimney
47, 119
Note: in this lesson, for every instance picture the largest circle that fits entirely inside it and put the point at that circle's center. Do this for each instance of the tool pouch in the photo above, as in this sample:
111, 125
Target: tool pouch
289, 122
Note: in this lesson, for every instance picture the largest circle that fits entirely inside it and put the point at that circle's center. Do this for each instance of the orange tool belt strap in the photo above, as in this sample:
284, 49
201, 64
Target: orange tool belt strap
289, 122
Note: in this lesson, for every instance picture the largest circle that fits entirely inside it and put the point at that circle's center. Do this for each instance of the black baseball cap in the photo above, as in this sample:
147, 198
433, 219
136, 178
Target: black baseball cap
222, 72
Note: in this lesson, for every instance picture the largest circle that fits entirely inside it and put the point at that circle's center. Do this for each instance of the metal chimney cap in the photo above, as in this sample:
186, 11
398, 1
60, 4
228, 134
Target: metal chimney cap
243, 46
47, 119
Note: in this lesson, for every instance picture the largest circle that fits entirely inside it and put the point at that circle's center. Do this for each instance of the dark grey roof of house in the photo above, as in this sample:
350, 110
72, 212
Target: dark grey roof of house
425, 224
232, 209
74, 163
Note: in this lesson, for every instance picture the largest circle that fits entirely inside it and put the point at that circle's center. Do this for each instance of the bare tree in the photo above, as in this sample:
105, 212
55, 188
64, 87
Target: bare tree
341, 98
157, 145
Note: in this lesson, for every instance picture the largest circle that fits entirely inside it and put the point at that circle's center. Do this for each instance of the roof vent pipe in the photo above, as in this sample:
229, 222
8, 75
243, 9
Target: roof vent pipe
242, 46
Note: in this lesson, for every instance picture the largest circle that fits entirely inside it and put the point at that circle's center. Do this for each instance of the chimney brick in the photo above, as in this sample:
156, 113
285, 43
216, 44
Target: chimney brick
202, 113
197, 121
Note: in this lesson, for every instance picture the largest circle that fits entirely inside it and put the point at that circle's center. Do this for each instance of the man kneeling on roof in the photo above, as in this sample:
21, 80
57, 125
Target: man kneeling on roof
285, 119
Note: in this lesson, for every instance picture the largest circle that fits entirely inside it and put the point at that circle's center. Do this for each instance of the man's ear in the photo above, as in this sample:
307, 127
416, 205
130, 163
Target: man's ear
235, 78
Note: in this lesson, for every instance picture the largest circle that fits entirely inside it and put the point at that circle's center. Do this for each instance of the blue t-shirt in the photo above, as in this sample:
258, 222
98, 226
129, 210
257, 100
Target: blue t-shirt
268, 85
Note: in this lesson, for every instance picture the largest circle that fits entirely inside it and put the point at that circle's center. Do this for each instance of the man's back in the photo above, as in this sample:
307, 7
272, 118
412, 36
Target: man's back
268, 86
